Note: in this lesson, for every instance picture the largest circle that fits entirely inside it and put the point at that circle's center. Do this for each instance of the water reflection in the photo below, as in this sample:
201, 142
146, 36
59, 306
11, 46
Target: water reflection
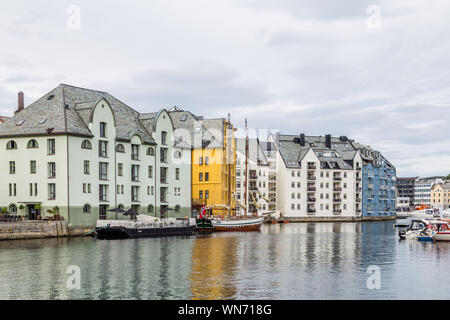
283, 261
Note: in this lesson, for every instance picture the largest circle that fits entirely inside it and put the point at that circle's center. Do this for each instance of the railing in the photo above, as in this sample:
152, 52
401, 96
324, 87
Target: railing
337, 200
358, 199
358, 179
336, 211
337, 189
311, 199
337, 178
311, 166
311, 211
311, 188
311, 178
143, 224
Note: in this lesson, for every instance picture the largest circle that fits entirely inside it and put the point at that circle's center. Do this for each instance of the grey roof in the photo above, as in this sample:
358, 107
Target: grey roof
255, 151
344, 151
195, 132
67, 110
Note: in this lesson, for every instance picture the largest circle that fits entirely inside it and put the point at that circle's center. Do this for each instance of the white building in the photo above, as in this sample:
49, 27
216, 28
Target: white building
257, 177
402, 204
86, 152
317, 176
422, 190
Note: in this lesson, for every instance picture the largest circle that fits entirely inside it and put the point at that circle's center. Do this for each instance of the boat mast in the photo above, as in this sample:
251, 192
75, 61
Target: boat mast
229, 155
246, 163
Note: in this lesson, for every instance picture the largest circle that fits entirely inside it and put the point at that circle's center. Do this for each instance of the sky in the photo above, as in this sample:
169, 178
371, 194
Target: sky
375, 71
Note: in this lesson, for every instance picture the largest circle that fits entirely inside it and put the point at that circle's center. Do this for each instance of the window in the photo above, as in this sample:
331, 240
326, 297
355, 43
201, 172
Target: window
177, 173
164, 137
102, 149
150, 171
177, 154
86, 208
163, 175
177, 208
51, 191
12, 167
134, 152
206, 160
120, 169
51, 146
86, 144
51, 170
134, 193
200, 160
35, 189
103, 191
134, 172
12, 208
86, 166
12, 190
150, 151
150, 208
102, 129
200, 194
84, 187
32, 144
11, 145
103, 171
206, 176
152, 190
120, 148
163, 155
33, 166
200, 176
206, 194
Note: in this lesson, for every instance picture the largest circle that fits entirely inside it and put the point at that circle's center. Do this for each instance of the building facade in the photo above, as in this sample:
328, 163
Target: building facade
85, 152
405, 189
422, 190
378, 183
440, 195
257, 178
213, 159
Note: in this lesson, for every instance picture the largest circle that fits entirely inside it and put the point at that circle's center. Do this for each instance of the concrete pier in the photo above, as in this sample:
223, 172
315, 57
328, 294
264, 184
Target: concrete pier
39, 229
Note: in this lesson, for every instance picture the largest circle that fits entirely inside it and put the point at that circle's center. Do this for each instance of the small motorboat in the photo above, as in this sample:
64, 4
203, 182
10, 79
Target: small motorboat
204, 225
416, 228
440, 229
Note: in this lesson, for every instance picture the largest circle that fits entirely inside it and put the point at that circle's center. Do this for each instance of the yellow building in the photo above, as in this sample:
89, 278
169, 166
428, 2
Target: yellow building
213, 159
440, 195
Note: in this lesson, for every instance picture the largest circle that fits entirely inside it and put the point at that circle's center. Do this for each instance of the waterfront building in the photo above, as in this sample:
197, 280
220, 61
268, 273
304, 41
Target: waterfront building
331, 177
270, 151
402, 204
257, 177
317, 176
422, 190
213, 159
86, 152
440, 195
405, 188
378, 181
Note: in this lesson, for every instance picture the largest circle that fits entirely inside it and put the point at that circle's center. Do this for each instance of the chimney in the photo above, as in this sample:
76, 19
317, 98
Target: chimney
302, 139
328, 141
20, 101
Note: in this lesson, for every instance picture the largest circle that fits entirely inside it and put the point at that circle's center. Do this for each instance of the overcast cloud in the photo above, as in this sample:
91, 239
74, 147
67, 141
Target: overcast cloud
310, 66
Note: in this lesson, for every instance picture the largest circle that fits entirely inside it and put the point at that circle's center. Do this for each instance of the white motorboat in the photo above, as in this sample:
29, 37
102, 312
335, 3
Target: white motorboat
416, 228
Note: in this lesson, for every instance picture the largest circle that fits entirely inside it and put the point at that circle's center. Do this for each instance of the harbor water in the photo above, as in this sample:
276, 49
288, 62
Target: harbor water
363, 260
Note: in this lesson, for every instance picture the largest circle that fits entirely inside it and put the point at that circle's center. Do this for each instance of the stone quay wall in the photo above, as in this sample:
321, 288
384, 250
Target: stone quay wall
39, 229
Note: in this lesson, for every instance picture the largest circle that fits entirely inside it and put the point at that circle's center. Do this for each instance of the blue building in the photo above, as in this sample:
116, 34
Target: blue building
378, 184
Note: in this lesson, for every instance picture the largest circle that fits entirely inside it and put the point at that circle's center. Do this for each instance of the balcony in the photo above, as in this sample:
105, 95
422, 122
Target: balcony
311, 178
311, 211
370, 186
163, 179
335, 178
198, 202
311, 188
358, 199
337, 200
358, 210
337, 189
311, 199
311, 167
358, 179
337, 211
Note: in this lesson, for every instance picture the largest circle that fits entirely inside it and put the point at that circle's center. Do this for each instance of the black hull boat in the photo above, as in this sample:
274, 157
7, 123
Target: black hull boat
111, 230
204, 225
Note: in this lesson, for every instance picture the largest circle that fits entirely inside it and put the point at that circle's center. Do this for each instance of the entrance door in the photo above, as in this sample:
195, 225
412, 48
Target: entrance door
102, 212
31, 212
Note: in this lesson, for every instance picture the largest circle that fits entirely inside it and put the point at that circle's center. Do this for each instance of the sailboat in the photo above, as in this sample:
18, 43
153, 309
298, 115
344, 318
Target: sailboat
238, 222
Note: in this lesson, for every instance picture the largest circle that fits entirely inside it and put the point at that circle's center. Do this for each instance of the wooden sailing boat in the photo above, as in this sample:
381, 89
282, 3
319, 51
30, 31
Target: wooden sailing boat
244, 222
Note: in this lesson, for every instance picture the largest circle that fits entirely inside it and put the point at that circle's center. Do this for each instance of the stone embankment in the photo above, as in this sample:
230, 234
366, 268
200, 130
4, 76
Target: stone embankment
39, 229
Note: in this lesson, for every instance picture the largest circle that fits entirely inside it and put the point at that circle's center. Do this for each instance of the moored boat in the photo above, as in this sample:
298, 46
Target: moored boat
238, 224
123, 229
440, 229
416, 228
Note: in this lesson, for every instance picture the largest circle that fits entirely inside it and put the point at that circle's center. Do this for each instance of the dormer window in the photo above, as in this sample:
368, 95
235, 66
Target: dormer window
86, 144
120, 148
32, 144
11, 145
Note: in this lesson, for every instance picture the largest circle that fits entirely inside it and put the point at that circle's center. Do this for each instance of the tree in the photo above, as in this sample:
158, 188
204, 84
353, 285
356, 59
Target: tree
447, 177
